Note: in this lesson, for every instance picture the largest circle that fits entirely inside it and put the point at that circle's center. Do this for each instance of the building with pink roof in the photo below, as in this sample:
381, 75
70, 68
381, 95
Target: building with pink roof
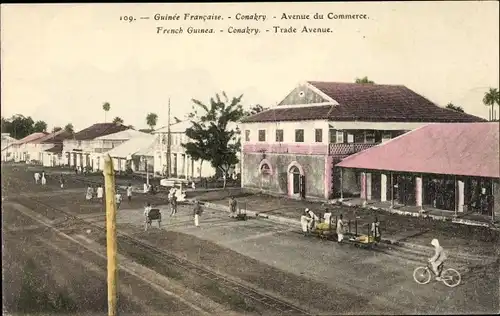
19, 150
449, 166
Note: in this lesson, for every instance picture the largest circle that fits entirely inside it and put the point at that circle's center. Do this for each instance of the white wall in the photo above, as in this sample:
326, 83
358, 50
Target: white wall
288, 131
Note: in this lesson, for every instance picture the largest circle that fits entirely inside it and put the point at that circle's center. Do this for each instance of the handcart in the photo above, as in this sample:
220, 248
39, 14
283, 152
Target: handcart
241, 214
365, 241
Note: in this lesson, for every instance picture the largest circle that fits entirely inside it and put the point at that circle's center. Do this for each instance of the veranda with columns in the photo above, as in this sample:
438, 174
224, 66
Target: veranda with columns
457, 194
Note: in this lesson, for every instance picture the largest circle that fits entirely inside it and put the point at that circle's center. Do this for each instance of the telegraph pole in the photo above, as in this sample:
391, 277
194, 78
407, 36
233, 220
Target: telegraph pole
169, 144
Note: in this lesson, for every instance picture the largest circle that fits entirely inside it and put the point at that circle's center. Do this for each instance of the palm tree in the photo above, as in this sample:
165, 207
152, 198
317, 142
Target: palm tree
490, 99
454, 107
106, 106
118, 120
151, 120
364, 80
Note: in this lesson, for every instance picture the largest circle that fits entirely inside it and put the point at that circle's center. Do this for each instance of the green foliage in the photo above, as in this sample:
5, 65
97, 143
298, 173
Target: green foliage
40, 126
210, 137
364, 80
18, 126
118, 120
56, 129
491, 98
151, 120
106, 106
453, 107
255, 109
69, 128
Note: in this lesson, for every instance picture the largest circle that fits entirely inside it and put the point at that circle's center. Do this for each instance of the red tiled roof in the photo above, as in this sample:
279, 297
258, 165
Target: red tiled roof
468, 149
366, 102
31, 138
57, 149
56, 137
99, 129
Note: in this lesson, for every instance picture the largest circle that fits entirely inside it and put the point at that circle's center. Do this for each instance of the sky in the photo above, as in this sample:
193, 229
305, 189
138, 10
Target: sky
60, 63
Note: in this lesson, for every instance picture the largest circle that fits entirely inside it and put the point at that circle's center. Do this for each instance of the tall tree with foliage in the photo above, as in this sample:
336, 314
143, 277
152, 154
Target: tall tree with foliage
106, 107
69, 128
151, 120
453, 107
40, 126
18, 126
210, 137
118, 120
492, 97
255, 109
364, 80
56, 129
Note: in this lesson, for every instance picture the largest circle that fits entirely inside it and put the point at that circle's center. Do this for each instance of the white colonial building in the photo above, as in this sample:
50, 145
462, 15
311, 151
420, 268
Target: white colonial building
87, 147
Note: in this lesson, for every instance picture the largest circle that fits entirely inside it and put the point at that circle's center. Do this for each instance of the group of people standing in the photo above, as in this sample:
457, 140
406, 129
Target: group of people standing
310, 221
40, 178
98, 193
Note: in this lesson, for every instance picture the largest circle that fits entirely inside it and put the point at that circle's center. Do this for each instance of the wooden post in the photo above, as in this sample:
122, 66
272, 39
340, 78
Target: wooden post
109, 184
492, 201
392, 191
341, 185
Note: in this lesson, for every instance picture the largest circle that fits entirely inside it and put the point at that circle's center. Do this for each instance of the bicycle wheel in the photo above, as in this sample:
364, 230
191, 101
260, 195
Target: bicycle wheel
451, 277
422, 275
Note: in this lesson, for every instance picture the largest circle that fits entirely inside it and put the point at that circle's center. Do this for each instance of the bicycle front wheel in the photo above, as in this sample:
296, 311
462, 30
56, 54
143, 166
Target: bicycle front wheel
451, 277
422, 275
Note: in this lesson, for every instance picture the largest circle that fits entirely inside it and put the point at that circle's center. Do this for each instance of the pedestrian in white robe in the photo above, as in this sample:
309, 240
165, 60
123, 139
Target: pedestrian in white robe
37, 177
100, 192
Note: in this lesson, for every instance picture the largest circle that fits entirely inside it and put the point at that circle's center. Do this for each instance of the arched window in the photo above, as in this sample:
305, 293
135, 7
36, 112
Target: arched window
295, 170
265, 169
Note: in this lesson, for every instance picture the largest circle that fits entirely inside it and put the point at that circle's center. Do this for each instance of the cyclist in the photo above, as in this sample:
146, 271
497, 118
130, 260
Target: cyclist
438, 258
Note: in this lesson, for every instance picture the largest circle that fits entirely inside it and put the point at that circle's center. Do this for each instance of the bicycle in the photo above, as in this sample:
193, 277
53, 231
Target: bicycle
449, 276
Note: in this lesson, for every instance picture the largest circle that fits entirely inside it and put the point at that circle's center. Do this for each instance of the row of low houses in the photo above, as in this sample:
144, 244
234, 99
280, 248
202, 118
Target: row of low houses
131, 150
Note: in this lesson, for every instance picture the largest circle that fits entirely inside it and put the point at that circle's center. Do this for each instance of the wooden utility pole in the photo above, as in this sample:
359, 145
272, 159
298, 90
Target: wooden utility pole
169, 144
109, 184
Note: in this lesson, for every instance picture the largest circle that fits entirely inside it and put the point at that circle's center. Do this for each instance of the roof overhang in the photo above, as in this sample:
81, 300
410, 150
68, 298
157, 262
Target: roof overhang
388, 126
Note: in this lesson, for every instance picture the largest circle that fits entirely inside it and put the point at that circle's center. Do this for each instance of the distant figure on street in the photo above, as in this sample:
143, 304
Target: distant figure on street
340, 229
100, 192
314, 219
76, 170
37, 177
173, 205
305, 219
44, 180
197, 212
118, 199
193, 186
145, 187
147, 208
61, 181
376, 230
129, 192
233, 205
327, 217
89, 194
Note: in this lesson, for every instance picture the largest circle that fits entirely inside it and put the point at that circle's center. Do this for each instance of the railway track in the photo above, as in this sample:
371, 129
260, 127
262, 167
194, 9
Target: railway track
74, 222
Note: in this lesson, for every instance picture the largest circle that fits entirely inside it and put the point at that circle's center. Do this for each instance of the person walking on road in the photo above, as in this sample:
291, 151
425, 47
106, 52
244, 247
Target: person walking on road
197, 212
340, 229
129, 192
61, 181
305, 219
233, 206
37, 177
173, 204
100, 192
118, 199
44, 180
376, 230
89, 194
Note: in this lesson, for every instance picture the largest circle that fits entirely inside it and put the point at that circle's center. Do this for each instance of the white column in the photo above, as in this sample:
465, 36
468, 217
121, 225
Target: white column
383, 187
368, 186
460, 192
184, 165
363, 188
418, 191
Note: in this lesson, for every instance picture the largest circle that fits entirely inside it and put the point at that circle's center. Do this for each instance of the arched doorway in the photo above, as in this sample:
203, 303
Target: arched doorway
265, 172
296, 180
